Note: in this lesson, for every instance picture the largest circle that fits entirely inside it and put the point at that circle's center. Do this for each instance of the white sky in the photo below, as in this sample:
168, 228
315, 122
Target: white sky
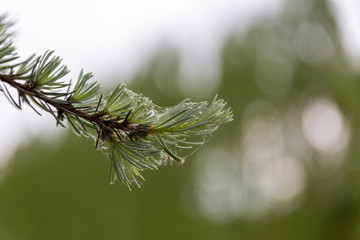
116, 37
348, 16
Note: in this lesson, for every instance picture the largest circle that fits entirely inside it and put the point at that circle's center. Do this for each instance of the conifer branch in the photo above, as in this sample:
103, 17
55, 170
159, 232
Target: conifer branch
128, 127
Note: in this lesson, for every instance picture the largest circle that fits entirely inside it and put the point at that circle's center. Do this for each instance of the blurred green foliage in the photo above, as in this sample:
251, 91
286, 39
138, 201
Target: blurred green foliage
62, 192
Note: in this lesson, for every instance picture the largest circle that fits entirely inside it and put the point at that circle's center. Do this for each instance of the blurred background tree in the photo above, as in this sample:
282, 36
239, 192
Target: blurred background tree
286, 168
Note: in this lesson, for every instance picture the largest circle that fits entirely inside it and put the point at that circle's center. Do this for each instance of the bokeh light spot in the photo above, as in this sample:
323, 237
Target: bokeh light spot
324, 126
313, 43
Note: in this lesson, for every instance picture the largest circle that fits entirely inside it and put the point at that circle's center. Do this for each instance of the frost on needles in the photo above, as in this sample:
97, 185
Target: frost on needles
132, 131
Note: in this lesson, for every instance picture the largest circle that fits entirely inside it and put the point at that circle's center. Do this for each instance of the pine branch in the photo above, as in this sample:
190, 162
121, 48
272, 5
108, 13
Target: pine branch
128, 127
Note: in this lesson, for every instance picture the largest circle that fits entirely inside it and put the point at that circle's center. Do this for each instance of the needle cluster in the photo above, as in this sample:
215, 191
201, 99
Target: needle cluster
128, 127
